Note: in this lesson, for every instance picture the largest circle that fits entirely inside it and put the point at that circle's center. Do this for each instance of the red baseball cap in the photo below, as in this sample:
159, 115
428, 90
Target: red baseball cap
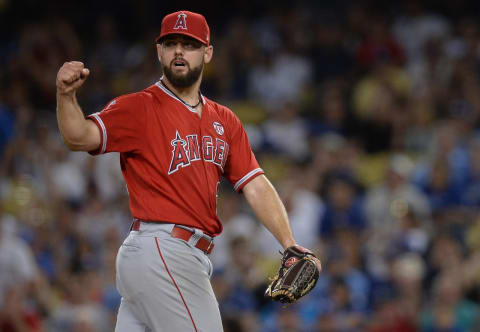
185, 23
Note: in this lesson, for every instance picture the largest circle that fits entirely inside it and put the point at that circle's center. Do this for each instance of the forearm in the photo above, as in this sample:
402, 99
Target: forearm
265, 202
70, 118
73, 125
78, 133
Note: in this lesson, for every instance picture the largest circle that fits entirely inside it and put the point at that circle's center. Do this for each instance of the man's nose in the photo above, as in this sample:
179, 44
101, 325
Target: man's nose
179, 48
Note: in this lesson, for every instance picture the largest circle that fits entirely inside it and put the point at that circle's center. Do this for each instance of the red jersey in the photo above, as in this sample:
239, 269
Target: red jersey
172, 159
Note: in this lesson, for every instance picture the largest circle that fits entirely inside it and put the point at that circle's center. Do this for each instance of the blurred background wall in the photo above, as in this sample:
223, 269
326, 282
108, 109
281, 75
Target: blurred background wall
364, 114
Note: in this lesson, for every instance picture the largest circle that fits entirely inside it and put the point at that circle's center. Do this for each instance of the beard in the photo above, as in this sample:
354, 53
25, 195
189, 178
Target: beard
183, 81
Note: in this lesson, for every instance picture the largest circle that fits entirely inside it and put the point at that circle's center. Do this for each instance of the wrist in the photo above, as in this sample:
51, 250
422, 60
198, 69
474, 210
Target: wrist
288, 243
66, 94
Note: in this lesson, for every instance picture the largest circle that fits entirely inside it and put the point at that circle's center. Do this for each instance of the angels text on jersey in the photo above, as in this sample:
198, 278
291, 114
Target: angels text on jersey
190, 149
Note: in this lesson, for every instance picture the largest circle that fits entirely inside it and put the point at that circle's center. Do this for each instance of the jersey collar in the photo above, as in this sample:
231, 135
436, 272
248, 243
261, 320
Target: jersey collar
168, 92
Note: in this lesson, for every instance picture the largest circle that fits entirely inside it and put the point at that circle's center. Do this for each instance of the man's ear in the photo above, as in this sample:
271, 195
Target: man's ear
159, 52
207, 57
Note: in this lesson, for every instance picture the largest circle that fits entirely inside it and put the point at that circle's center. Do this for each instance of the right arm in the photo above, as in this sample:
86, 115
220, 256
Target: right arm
78, 133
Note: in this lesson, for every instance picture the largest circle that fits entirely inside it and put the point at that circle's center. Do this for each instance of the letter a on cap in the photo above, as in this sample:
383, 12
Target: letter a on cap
181, 22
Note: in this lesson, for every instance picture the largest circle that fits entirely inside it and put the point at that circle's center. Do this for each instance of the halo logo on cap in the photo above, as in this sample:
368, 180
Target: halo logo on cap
181, 22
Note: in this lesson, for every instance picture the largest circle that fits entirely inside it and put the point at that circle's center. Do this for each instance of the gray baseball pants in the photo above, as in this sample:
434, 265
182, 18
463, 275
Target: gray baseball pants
164, 283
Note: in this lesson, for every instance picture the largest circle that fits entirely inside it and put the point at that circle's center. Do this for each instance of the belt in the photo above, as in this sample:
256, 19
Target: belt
204, 242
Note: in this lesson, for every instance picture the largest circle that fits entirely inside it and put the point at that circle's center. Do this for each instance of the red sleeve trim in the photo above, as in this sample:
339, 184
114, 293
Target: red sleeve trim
247, 178
103, 134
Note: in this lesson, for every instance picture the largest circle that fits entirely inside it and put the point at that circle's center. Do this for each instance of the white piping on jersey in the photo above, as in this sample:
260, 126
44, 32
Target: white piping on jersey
159, 84
246, 177
104, 131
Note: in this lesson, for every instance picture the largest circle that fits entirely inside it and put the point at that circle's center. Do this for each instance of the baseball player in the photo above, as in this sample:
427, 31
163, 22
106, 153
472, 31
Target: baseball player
174, 146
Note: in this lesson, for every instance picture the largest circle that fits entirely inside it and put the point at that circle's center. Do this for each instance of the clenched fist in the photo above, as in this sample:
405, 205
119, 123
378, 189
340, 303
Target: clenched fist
71, 76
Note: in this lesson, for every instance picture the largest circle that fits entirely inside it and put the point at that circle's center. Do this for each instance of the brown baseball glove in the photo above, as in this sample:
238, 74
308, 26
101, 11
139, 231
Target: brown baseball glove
297, 276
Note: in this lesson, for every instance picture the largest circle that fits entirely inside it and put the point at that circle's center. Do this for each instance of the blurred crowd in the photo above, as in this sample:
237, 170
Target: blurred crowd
363, 114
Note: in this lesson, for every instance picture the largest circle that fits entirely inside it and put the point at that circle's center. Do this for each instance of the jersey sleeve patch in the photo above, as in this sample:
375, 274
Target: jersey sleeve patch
122, 124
